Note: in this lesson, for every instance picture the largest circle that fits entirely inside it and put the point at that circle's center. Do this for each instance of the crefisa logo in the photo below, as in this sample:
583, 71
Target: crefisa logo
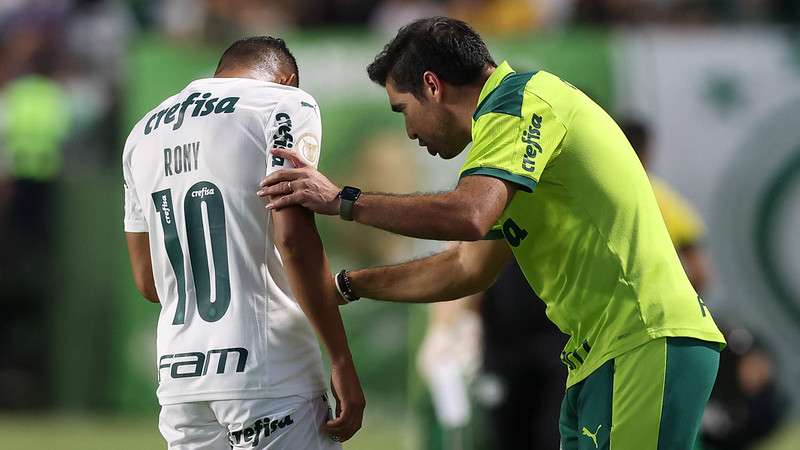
203, 106
261, 428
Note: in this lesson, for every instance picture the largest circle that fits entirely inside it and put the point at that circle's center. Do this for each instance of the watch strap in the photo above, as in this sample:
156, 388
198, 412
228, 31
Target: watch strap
347, 200
342, 281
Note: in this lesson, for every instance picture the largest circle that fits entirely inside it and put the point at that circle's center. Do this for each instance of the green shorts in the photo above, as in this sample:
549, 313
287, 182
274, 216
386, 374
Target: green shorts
651, 398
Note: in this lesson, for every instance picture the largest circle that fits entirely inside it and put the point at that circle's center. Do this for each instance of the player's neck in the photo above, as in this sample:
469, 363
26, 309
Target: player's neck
237, 72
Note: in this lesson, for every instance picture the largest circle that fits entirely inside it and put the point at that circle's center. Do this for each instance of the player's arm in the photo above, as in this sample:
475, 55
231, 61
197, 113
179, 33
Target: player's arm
306, 267
138, 238
464, 214
464, 269
295, 233
139, 252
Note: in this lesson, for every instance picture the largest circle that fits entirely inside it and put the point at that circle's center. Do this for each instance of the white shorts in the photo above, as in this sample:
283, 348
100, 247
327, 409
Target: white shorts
287, 423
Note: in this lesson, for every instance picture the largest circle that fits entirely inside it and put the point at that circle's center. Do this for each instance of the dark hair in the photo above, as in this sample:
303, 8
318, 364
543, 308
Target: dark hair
447, 47
259, 53
637, 133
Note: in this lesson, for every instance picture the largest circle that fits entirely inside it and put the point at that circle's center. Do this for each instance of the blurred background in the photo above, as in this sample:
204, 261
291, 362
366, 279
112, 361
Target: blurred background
708, 92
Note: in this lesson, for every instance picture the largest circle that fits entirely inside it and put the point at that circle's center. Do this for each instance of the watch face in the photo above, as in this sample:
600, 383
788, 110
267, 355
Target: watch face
350, 193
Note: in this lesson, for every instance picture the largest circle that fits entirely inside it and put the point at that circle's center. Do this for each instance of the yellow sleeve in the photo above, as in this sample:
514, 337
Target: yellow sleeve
514, 148
683, 224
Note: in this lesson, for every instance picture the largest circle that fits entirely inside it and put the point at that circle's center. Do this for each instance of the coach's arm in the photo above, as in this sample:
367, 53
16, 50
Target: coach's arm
464, 269
139, 252
464, 214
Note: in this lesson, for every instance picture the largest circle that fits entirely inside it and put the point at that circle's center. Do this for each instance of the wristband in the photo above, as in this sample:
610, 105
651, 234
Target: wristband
344, 287
347, 200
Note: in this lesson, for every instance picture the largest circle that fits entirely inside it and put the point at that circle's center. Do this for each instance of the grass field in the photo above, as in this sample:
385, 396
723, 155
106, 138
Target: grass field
64, 432
381, 432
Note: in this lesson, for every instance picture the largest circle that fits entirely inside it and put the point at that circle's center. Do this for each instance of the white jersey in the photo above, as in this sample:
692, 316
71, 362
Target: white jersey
229, 327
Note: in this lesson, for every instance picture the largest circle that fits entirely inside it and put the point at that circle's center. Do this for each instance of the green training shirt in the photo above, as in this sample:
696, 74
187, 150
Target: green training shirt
584, 224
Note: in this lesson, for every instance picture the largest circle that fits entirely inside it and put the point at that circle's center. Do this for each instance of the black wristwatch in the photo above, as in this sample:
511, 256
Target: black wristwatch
348, 198
344, 287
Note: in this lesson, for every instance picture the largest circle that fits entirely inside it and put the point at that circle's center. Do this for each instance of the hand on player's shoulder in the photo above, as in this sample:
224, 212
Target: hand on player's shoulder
302, 185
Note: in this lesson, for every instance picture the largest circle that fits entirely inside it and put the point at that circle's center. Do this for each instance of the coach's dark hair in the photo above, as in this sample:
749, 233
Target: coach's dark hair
447, 47
264, 53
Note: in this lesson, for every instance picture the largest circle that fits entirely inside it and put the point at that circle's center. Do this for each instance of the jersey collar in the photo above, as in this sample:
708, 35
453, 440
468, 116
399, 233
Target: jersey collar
499, 74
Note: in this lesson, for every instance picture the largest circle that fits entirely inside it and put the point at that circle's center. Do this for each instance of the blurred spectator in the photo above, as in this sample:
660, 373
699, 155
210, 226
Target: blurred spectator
220, 20
375, 166
745, 404
58, 95
495, 16
554, 13
97, 34
512, 16
35, 126
683, 223
521, 380
448, 361
390, 15
333, 12
613, 12
37, 121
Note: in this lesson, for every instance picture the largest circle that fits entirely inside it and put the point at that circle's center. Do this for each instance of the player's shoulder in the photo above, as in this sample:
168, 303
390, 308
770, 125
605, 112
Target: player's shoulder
138, 130
298, 99
255, 89
272, 98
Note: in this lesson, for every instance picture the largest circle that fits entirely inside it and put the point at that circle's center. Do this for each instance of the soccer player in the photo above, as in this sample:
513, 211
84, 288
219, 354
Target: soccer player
241, 291
552, 175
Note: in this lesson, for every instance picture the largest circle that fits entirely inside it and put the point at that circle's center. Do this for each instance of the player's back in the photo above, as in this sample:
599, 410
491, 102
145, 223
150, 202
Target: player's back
229, 327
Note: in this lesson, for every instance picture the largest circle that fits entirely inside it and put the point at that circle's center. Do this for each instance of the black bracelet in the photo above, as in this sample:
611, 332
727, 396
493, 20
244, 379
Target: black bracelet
344, 287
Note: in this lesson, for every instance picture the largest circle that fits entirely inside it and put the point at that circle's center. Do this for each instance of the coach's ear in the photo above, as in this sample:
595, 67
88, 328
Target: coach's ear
431, 86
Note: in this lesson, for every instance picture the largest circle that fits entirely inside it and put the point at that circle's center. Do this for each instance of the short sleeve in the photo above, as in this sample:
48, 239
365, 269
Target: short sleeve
134, 221
515, 148
296, 126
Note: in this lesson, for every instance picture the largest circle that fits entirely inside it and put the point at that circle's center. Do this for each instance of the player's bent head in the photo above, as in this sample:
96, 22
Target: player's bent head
447, 47
263, 57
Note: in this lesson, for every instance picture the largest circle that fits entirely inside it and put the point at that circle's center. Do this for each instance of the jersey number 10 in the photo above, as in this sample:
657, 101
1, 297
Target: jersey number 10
208, 249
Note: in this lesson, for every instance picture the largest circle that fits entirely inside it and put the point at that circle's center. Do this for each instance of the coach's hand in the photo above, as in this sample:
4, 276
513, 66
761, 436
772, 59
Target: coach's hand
303, 186
350, 403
